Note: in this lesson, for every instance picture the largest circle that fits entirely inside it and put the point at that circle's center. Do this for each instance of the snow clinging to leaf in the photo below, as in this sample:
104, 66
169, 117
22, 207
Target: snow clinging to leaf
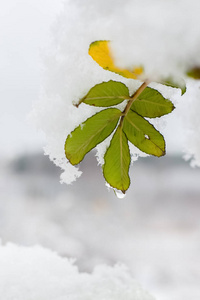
161, 36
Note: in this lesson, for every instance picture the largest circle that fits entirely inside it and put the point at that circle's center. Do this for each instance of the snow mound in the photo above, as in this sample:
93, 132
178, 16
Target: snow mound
155, 34
37, 273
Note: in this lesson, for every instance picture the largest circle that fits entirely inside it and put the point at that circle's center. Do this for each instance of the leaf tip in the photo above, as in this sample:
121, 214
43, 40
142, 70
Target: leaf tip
96, 43
76, 104
183, 90
163, 152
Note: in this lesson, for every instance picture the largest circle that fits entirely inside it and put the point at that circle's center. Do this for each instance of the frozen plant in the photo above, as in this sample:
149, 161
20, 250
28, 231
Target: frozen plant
155, 35
128, 122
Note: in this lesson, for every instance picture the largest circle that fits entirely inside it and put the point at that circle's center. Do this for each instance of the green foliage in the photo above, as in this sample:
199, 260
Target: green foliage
117, 161
130, 126
143, 135
89, 134
151, 104
116, 92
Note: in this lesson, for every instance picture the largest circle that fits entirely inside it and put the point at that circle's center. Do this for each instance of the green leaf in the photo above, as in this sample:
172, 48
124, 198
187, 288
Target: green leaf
117, 162
89, 134
151, 104
178, 84
106, 94
143, 135
194, 72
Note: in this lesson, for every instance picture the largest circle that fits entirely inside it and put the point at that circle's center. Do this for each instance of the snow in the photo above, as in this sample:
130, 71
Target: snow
191, 123
38, 273
24, 28
154, 231
163, 36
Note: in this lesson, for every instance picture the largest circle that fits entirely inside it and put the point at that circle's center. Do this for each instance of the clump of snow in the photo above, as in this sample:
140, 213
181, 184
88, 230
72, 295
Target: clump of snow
163, 36
37, 273
189, 112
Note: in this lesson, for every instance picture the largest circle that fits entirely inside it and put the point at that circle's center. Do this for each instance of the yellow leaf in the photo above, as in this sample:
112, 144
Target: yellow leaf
101, 53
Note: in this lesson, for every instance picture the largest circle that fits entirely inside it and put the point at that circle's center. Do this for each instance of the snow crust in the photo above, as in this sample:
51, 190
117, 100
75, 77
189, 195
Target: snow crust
38, 273
163, 36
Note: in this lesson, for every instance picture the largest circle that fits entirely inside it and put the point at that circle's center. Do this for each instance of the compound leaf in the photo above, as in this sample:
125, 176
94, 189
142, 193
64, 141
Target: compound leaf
117, 162
143, 135
106, 94
90, 133
150, 103
101, 53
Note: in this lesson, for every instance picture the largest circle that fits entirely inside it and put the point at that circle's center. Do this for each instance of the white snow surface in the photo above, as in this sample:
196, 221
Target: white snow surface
38, 273
154, 231
163, 36
189, 112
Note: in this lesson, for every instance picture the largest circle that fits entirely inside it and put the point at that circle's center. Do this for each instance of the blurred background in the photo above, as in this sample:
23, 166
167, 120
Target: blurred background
154, 230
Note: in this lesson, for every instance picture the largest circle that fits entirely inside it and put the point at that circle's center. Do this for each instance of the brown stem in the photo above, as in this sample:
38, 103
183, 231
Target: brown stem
132, 99
135, 96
